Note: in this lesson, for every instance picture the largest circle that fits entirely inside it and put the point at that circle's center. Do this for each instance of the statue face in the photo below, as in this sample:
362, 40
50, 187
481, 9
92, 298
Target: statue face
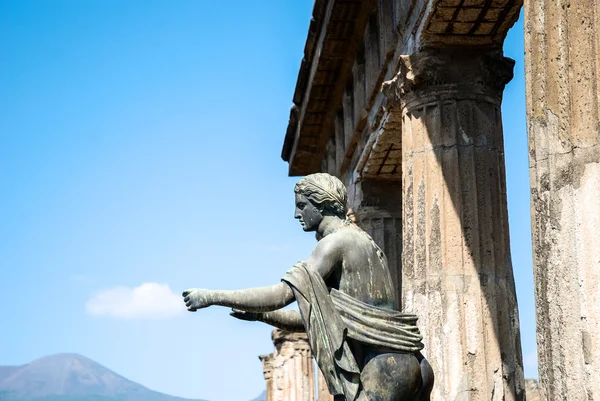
309, 215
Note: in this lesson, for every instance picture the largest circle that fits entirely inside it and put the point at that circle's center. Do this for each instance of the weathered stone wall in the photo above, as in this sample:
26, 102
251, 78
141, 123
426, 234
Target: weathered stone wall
323, 393
289, 371
562, 40
534, 391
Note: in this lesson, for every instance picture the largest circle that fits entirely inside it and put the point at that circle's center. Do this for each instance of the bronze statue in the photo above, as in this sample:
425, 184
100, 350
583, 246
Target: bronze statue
366, 349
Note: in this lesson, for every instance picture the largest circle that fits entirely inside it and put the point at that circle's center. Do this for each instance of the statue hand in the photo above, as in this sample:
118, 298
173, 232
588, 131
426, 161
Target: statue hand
196, 298
243, 315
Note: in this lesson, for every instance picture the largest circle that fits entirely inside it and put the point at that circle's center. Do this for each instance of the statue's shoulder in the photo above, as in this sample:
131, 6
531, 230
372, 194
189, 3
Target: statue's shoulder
352, 236
351, 232
329, 242
343, 237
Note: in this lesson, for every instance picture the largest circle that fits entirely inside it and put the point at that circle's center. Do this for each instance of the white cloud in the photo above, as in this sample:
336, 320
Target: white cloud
148, 301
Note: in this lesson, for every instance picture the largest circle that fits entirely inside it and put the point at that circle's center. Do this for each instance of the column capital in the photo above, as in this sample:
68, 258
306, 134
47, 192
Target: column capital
299, 341
267, 361
448, 74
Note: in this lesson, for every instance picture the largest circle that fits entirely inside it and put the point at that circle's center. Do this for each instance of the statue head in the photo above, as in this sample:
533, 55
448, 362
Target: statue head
319, 195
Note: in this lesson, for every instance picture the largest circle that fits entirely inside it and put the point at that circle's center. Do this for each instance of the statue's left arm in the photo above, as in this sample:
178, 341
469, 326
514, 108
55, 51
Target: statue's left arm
260, 299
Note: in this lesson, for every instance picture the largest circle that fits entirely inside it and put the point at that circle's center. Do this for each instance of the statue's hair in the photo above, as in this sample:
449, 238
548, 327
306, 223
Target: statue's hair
324, 190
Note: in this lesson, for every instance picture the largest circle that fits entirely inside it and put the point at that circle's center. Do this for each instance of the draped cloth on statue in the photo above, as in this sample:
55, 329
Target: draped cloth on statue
330, 317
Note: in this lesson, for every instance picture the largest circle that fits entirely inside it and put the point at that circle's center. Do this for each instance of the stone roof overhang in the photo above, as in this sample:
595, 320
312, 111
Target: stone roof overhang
335, 30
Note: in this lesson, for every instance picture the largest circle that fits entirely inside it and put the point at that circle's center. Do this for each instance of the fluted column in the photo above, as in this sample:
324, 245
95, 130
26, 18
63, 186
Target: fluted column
289, 370
457, 271
267, 361
562, 43
323, 393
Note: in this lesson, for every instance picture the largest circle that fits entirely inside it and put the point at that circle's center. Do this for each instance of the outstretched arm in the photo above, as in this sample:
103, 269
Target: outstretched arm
261, 299
288, 320
325, 258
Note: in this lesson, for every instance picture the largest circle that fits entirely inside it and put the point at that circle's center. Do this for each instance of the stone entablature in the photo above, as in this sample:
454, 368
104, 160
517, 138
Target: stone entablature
470, 22
352, 48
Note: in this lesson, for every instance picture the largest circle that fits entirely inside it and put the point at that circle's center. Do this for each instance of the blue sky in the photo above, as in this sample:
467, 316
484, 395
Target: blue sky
140, 155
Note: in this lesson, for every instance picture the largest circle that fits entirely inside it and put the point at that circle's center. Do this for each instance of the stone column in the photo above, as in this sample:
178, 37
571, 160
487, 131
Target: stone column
533, 391
562, 43
289, 371
322, 389
457, 271
267, 361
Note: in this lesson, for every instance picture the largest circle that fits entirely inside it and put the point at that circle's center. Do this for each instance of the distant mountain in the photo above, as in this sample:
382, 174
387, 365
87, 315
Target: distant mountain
261, 397
71, 377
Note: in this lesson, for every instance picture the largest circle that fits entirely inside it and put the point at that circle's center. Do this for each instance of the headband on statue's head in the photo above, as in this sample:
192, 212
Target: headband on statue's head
330, 193
327, 188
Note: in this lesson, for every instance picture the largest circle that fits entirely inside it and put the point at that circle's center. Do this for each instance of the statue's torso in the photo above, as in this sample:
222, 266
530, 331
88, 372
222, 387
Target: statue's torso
363, 272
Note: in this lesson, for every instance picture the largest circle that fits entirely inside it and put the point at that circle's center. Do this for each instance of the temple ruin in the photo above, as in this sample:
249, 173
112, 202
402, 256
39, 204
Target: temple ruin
402, 101
290, 372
